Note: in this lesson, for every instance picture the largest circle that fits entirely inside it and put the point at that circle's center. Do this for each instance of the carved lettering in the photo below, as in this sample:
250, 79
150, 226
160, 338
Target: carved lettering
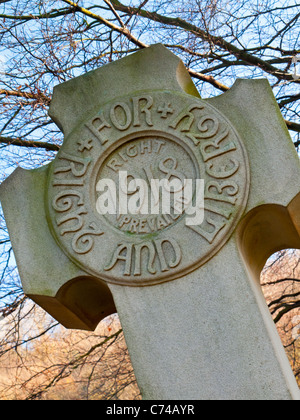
213, 149
161, 222
127, 248
218, 210
178, 254
63, 202
146, 146
120, 116
147, 224
224, 171
209, 236
160, 141
114, 164
208, 126
83, 242
230, 187
229, 147
187, 117
159, 144
138, 258
142, 108
96, 125
169, 169
207, 129
133, 150
132, 255
77, 165
77, 216
71, 201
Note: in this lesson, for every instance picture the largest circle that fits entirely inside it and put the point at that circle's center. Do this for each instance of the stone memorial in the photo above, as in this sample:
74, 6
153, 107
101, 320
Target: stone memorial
186, 288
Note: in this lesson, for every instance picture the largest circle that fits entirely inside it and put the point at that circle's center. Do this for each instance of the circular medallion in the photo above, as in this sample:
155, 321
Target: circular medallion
147, 189
144, 159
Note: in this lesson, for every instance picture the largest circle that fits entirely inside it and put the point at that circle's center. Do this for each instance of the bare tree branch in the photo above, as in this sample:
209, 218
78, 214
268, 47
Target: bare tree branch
121, 30
29, 143
293, 126
209, 79
215, 40
27, 95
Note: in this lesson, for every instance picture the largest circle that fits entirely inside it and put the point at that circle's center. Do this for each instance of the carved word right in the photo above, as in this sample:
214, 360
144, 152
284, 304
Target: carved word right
69, 202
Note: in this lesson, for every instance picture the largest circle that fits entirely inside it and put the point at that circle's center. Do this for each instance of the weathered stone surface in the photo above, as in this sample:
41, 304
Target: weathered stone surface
48, 277
219, 341
189, 300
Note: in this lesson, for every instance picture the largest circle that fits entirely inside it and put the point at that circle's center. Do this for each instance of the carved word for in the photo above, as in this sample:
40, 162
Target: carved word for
122, 117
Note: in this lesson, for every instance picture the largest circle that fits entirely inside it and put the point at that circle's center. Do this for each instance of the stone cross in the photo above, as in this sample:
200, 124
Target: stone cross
188, 296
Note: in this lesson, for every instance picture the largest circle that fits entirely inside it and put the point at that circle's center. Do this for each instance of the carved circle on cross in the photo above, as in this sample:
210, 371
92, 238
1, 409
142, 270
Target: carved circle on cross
148, 188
